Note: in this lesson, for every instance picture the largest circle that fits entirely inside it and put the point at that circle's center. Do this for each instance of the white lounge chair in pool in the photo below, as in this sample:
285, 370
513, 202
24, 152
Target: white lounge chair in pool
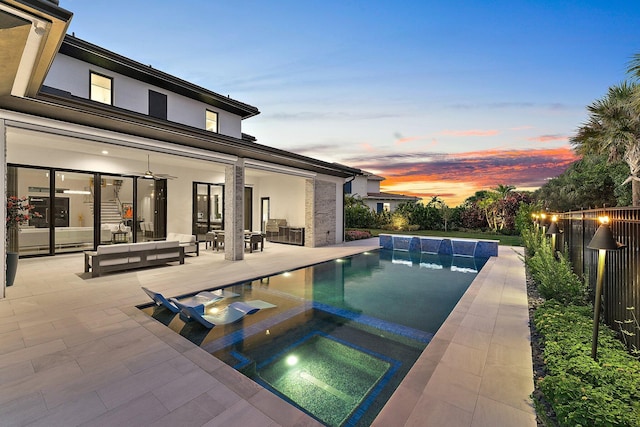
232, 313
204, 298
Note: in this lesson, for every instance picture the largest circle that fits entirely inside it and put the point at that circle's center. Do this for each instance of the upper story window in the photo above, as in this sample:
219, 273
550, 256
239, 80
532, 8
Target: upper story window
157, 105
211, 121
101, 88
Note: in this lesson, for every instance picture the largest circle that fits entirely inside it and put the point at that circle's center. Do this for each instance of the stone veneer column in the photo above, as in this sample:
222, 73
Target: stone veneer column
320, 213
234, 211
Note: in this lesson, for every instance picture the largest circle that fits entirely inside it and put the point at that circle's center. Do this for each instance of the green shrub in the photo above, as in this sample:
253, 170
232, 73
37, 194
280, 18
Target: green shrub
555, 277
358, 215
532, 239
584, 392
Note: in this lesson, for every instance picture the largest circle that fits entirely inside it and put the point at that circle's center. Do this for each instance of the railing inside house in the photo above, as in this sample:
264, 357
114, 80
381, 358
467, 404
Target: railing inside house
621, 294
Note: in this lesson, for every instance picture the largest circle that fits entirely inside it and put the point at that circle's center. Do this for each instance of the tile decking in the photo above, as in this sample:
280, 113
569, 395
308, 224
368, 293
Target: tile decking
76, 351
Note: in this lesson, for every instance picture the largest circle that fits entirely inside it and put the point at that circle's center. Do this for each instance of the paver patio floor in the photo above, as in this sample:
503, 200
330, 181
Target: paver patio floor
76, 351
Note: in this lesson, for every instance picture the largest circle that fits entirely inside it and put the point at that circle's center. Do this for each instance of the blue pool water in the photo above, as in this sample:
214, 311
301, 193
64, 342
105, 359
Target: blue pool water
343, 334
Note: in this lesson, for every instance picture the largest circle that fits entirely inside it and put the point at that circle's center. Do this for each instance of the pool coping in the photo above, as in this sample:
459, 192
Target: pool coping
477, 370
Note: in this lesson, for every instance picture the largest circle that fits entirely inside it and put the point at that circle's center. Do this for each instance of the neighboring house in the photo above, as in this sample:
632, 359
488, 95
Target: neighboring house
96, 140
367, 187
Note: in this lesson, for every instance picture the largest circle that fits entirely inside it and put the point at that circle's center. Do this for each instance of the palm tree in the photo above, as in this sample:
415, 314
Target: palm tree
613, 128
504, 190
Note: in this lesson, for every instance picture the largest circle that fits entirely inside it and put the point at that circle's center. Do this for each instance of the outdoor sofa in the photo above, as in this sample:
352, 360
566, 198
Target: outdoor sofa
120, 257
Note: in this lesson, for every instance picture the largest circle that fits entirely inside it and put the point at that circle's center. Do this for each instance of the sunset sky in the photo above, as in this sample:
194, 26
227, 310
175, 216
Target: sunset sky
440, 97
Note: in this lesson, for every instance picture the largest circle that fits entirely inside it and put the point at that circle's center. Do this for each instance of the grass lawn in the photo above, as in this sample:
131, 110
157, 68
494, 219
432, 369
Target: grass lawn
504, 240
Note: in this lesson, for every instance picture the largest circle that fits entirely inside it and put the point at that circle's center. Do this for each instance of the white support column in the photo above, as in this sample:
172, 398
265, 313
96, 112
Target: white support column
234, 211
3, 208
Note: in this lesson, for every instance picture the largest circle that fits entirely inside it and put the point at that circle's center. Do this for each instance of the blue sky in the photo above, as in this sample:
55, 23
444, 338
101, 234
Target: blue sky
440, 97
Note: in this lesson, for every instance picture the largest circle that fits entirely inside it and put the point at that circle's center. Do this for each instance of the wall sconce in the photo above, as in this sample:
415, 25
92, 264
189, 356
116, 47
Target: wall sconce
603, 241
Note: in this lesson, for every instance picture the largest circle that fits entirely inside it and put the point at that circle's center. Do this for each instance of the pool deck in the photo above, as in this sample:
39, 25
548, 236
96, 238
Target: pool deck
76, 351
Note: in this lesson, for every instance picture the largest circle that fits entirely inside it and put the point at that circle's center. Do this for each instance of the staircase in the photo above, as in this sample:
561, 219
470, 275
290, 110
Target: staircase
110, 212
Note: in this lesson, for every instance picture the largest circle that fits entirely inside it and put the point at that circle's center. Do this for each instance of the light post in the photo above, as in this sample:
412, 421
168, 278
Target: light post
553, 231
543, 222
603, 241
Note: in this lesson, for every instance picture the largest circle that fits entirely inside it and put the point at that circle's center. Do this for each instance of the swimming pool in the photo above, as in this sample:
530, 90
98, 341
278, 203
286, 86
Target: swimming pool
343, 334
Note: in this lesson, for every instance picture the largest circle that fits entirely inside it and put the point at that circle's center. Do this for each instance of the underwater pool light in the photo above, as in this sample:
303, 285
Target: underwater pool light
292, 360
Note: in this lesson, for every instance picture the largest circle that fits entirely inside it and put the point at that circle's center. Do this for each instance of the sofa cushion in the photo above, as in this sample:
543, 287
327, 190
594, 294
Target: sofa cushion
182, 238
165, 244
114, 249
136, 247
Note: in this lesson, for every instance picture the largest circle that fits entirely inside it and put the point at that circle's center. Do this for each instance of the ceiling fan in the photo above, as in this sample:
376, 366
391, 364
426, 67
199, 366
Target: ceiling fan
150, 175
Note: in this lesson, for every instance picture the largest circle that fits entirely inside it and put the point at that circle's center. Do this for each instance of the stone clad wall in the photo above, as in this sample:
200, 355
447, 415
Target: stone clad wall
234, 212
320, 213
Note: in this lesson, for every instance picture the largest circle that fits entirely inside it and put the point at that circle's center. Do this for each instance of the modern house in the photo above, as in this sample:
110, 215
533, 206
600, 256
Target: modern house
108, 149
367, 187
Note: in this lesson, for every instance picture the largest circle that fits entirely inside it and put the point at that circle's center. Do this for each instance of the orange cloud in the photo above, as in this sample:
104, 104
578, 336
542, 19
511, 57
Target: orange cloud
549, 138
463, 174
404, 140
472, 132
367, 147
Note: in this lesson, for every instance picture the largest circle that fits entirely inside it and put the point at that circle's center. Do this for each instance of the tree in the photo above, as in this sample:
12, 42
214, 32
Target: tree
590, 182
445, 211
613, 128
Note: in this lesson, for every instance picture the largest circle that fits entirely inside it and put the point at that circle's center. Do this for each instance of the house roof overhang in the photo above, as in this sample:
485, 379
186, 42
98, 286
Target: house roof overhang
101, 116
391, 196
96, 55
31, 32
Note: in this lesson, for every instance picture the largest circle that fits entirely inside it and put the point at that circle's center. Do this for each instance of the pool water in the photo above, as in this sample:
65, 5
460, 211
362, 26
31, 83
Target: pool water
343, 334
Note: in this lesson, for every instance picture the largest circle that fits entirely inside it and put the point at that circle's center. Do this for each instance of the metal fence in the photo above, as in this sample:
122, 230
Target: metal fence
621, 290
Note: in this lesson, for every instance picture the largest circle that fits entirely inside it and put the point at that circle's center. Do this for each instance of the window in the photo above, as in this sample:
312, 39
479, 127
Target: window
157, 105
211, 121
386, 207
101, 89
347, 187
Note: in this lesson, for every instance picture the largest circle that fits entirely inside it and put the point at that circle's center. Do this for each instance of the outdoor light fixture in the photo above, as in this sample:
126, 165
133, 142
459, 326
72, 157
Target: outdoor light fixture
603, 241
553, 231
536, 221
543, 222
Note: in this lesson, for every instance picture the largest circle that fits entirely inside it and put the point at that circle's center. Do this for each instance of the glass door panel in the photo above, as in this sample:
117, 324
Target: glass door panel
215, 207
72, 211
208, 208
145, 209
116, 209
33, 236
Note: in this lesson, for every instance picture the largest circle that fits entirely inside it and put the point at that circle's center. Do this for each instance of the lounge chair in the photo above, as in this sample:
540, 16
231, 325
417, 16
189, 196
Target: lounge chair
204, 298
232, 313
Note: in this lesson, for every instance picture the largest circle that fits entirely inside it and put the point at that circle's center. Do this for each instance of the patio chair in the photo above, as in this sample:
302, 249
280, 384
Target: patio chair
252, 240
204, 298
232, 313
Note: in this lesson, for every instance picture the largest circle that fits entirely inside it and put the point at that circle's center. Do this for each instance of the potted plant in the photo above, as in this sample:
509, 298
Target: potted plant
19, 211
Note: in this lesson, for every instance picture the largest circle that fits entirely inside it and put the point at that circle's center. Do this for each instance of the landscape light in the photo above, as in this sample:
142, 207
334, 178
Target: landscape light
603, 241
553, 231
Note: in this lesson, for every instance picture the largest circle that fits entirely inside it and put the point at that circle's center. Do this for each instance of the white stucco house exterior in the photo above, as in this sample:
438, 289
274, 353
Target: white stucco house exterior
92, 138
366, 186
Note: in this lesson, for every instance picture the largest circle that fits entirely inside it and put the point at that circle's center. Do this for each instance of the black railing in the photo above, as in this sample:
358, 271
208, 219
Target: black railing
621, 292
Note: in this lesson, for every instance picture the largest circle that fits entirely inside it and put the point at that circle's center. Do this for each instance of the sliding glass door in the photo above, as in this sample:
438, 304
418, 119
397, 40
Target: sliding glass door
208, 208
72, 211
